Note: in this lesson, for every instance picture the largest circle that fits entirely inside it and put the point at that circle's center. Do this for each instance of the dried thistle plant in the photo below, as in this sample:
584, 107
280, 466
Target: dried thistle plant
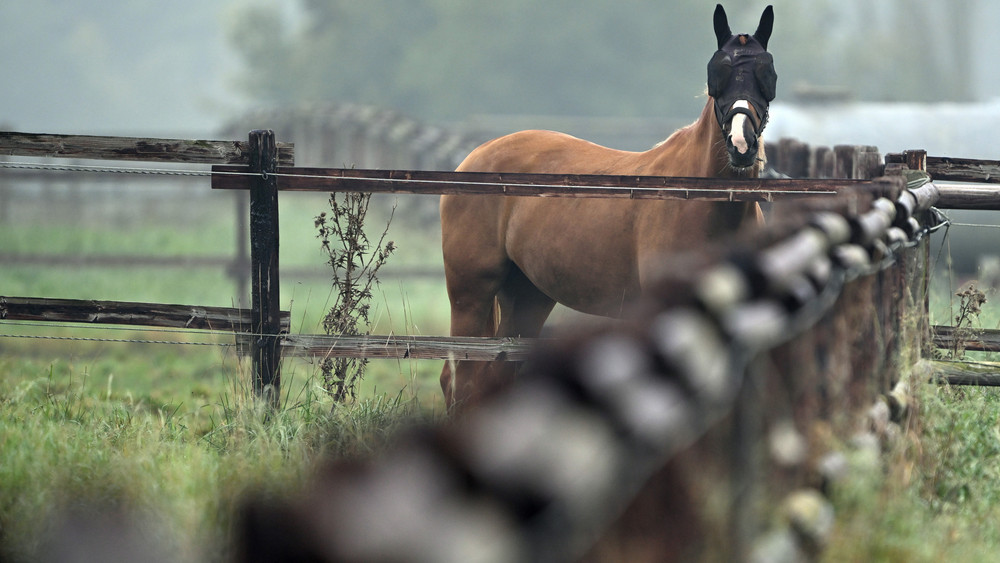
971, 300
355, 264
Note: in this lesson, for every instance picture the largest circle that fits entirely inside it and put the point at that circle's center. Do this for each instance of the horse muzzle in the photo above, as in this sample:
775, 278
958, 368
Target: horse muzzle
742, 150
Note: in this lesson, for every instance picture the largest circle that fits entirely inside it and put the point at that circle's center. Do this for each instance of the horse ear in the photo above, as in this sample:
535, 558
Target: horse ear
763, 32
722, 31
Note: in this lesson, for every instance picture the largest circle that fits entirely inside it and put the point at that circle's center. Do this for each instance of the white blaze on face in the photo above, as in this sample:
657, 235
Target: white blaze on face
736, 129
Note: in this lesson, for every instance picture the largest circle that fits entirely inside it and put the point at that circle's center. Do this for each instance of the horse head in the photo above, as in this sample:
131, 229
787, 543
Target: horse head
742, 80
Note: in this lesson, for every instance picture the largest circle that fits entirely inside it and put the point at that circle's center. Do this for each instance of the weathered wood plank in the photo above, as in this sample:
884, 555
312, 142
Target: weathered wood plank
965, 373
957, 169
407, 347
954, 196
133, 148
964, 169
264, 275
543, 185
16, 175
983, 340
128, 313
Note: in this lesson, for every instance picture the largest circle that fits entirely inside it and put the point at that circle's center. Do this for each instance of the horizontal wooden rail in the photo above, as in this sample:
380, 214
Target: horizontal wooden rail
406, 347
977, 340
545, 185
133, 148
77, 177
127, 313
957, 169
954, 196
948, 169
965, 373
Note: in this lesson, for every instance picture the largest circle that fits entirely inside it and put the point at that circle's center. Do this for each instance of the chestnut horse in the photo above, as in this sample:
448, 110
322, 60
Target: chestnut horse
509, 260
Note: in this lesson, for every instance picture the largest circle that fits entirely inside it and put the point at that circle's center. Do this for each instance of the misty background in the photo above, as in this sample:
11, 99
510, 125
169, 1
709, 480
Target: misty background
897, 74
186, 67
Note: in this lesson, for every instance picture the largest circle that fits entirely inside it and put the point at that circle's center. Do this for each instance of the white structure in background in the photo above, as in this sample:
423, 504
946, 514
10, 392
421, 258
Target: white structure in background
942, 129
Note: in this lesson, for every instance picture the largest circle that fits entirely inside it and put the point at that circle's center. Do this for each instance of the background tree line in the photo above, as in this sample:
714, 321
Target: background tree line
444, 60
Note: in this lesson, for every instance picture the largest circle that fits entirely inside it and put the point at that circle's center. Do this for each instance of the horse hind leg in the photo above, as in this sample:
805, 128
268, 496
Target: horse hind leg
518, 310
473, 313
453, 369
523, 309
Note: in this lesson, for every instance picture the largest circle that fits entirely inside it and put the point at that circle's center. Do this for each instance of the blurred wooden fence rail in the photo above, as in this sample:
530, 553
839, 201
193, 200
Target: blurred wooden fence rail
741, 361
734, 366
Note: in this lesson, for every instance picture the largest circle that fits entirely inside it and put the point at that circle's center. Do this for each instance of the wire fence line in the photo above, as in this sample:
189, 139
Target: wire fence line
117, 340
361, 179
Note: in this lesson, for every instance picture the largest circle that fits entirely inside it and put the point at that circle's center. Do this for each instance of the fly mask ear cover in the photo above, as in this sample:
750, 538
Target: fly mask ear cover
720, 69
742, 70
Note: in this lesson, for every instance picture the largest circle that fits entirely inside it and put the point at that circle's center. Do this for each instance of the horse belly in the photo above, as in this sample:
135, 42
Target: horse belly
581, 253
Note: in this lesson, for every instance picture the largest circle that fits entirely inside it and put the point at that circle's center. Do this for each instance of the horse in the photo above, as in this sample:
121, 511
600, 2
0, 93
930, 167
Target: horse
508, 260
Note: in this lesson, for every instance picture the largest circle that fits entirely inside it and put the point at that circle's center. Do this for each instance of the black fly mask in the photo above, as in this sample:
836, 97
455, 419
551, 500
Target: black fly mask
742, 69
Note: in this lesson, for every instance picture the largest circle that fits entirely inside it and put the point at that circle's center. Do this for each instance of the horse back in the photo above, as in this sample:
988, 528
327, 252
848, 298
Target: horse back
543, 152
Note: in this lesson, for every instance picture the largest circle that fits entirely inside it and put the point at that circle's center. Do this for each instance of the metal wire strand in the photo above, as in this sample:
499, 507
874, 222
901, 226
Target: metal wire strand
116, 340
111, 169
84, 327
204, 173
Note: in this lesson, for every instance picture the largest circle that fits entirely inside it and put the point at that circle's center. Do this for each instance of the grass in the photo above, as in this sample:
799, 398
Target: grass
935, 496
71, 443
169, 435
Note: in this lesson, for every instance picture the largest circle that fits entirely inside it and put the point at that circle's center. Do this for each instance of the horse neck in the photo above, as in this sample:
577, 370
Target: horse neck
698, 150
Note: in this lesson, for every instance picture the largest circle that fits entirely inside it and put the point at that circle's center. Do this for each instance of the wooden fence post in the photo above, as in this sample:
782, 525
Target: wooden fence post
867, 163
844, 161
917, 160
265, 290
824, 163
4, 195
239, 268
794, 157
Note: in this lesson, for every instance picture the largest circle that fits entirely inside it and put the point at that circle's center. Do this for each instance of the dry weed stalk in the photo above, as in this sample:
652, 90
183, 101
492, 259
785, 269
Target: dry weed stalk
355, 264
971, 300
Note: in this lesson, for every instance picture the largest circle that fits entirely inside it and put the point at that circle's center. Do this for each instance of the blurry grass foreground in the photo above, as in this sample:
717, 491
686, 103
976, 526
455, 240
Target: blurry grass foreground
935, 493
83, 460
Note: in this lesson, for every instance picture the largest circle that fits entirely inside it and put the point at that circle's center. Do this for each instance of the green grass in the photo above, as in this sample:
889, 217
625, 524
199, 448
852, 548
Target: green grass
71, 442
169, 433
935, 496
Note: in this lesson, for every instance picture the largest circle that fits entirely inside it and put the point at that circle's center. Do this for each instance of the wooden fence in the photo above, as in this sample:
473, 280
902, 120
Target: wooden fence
739, 361
262, 324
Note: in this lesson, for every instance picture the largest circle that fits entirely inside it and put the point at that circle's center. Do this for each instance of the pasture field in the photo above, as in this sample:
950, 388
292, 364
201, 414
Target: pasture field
166, 437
